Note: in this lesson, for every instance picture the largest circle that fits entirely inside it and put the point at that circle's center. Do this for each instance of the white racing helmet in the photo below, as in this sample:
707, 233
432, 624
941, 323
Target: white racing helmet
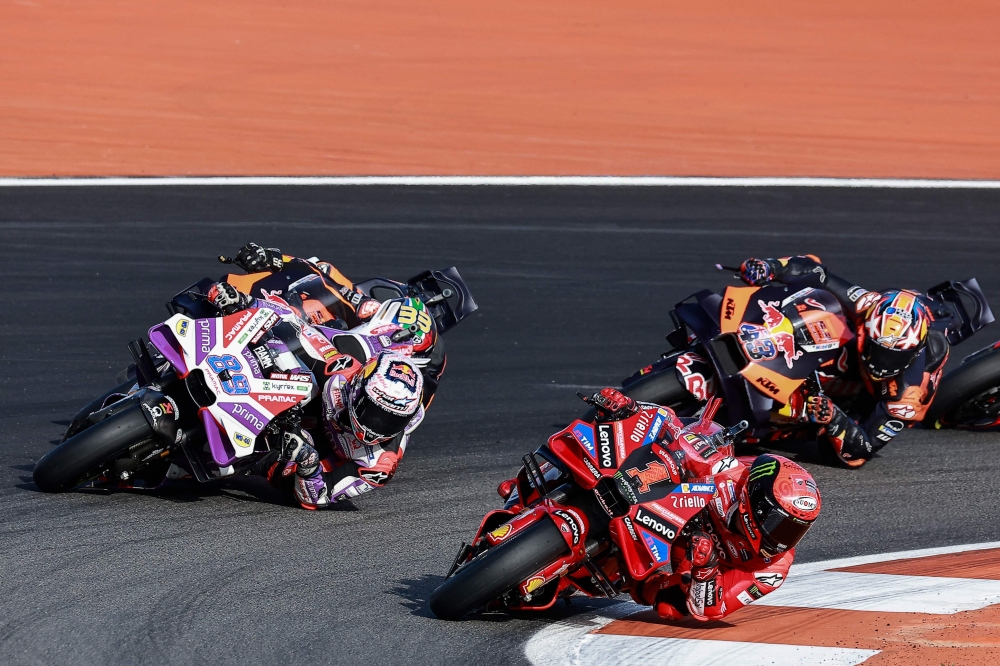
384, 397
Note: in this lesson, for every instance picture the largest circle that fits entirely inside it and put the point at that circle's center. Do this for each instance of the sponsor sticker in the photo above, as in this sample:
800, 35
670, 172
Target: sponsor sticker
532, 584
770, 579
241, 440
654, 473
500, 533
571, 527
585, 435
657, 525
605, 447
685, 501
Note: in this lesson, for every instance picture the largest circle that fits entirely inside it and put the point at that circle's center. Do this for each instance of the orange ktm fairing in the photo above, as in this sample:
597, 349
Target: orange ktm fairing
771, 383
734, 305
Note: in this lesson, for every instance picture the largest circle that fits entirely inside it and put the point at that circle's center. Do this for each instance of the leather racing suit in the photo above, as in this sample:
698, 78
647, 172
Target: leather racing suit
866, 413
720, 569
330, 463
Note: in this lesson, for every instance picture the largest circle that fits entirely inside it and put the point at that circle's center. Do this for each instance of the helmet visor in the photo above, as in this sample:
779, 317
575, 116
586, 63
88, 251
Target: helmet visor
881, 362
780, 531
376, 421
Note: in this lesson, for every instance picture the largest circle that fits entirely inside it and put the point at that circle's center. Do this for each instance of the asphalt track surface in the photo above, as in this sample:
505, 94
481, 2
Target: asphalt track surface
574, 286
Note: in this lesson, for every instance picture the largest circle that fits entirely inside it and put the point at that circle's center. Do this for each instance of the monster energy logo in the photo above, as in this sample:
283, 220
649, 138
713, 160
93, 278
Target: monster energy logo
769, 468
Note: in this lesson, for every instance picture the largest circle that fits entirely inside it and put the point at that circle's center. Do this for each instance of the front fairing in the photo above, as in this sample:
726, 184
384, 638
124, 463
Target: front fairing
232, 376
634, 455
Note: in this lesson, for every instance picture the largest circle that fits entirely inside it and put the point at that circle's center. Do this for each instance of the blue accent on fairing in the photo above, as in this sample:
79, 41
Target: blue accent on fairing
654, 430
585, 435
660, 550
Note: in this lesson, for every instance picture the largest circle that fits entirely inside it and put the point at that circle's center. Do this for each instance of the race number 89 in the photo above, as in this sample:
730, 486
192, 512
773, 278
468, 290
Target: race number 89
236, 384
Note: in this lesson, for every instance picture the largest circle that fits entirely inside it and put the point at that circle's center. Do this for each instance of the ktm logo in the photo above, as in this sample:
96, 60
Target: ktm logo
730, 308
768, 385
654, 473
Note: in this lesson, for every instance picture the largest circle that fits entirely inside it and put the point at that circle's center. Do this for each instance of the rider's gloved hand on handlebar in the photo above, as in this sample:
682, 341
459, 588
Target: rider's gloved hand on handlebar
703, 592
756, 272
225, 297
255, 259
612, 405
820, 409
701, 552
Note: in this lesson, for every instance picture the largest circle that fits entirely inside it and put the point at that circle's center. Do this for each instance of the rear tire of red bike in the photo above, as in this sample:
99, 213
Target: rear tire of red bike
499, 569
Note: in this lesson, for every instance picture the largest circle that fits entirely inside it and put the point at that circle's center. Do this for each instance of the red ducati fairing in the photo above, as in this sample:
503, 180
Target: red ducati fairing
619, 507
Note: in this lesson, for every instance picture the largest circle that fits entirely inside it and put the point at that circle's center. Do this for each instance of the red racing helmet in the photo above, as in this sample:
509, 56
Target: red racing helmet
779, 504
895, 332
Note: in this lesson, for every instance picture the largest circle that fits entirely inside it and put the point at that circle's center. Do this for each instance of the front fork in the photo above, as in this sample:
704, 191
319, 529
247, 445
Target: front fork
586, 539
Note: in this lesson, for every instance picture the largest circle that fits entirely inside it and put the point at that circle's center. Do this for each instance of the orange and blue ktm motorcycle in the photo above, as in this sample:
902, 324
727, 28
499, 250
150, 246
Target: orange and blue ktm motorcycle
763, 349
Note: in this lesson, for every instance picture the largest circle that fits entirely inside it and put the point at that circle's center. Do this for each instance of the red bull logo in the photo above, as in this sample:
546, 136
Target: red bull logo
781, 331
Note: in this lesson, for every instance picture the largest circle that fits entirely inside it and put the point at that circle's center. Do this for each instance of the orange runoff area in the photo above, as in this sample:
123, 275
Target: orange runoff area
891, 88
905, 639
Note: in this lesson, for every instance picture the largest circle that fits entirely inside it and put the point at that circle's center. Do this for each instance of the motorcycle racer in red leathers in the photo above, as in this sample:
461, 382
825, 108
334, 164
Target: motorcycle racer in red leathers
369, 408
883, 384
747, 538
743, 543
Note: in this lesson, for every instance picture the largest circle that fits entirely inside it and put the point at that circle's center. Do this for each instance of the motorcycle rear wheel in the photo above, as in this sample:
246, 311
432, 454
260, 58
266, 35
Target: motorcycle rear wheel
500, 568
662, 387
84, 455
961, 387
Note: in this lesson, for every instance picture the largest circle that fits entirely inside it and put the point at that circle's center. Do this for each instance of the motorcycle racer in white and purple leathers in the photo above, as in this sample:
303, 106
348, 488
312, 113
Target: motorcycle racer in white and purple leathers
369, 410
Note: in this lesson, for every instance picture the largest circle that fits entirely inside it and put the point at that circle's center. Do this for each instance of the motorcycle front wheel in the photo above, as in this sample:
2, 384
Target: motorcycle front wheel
481, 581
83, 456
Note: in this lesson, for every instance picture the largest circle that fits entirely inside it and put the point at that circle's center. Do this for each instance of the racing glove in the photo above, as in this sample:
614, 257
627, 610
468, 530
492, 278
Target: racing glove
301, 459
704, 594
820, 409
704, 561
255, 259
756, 272
612, 405
225, 297
846, 440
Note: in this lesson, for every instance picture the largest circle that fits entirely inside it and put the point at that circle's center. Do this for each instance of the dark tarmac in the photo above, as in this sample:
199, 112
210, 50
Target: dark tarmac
574, 286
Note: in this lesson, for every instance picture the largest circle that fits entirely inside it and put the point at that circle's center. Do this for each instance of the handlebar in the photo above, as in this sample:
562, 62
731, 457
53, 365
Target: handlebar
731, 433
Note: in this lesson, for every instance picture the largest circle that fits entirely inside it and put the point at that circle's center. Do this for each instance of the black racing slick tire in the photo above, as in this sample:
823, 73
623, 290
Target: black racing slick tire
500, 568
83, 456
662, 387
961, 385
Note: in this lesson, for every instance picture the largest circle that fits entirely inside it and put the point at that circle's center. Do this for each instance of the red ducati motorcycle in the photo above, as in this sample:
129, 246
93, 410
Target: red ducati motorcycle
602, 505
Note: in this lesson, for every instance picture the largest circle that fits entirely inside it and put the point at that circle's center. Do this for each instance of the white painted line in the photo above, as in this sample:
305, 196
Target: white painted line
883, 593
571, 643
811, 585
843, 562
646, 650
591, 181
